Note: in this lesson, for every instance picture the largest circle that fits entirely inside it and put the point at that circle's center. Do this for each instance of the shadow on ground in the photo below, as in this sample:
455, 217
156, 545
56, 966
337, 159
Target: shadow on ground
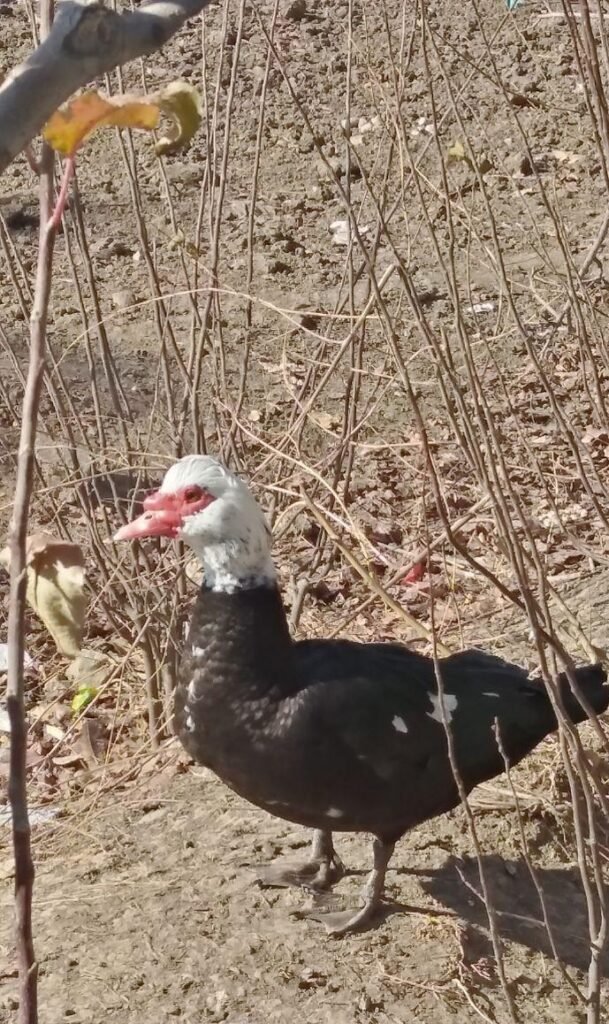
457, 886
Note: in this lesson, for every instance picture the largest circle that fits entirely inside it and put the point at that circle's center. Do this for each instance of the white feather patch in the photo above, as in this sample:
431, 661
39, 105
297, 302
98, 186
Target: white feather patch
450, 705
334, 812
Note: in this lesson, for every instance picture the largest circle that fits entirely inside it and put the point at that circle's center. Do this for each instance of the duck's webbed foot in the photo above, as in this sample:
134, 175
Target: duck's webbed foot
323, 868
344, 921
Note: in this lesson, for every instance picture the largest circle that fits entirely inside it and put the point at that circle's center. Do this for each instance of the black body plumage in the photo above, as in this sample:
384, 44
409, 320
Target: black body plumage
345, 736
331, 734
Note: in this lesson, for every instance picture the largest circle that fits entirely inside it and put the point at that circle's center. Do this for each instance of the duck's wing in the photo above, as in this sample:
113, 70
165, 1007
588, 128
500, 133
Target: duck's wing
381, 703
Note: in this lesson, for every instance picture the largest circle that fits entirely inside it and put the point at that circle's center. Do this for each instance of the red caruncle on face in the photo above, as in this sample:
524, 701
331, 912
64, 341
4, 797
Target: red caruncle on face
165, 512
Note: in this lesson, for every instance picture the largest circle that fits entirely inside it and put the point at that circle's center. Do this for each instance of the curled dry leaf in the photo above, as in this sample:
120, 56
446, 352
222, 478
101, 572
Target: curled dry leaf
325, 420
89, 671
182, 104
92, 742
55, 588
70, 126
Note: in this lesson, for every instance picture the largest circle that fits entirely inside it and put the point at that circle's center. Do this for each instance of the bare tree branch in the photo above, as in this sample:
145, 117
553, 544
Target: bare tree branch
87, 40
24, 864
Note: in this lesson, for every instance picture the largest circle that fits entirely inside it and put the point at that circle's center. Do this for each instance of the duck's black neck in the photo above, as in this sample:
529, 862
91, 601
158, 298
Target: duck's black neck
242, 639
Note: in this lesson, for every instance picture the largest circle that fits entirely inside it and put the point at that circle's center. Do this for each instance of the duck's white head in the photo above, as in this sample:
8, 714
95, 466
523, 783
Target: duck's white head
204, 504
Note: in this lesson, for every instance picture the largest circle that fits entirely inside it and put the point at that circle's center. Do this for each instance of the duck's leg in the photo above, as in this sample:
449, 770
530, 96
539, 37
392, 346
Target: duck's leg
350, 920
323, 868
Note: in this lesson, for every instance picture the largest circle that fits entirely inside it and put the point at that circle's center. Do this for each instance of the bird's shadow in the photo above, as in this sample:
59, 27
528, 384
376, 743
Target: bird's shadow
513, 894
520, 918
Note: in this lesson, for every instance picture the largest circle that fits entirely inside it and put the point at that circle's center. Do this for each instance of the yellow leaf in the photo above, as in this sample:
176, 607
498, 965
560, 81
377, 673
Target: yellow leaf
68, 127
457, 152
55, 588
83, 697
182, 104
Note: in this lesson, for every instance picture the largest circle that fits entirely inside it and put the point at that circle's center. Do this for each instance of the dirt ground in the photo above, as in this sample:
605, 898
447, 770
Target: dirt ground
146, 909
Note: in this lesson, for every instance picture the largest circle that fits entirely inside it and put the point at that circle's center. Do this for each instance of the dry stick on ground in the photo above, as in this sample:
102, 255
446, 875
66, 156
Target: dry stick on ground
85, 41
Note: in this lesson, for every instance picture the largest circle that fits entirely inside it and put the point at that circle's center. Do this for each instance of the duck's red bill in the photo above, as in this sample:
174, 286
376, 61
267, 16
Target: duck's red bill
154, 523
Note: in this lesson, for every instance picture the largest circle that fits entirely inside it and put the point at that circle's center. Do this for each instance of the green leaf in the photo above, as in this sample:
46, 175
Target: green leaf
83, 696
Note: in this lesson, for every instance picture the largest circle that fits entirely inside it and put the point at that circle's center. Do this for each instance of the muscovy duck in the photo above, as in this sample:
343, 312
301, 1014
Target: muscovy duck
332, 734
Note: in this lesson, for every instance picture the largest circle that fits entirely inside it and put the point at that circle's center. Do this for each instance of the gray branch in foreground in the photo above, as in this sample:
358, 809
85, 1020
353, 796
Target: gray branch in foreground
86, 40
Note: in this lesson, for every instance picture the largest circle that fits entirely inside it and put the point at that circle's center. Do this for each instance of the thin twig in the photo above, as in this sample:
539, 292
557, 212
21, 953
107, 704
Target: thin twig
24, 866
372, 583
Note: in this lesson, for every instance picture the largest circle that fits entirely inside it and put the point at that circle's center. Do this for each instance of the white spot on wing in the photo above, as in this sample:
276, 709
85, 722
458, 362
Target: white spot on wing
283, 717
399, 724
490, 694
450, 704
198, 652
333, 812
190, 722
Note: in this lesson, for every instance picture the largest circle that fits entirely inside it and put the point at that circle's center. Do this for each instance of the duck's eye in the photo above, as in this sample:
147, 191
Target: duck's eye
193, 494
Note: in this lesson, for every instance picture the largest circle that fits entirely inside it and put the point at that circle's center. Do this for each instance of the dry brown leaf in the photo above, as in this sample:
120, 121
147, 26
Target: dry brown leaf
325, 420
92, 742
53, 732
55, 588
69, 760
565, 156
91, 668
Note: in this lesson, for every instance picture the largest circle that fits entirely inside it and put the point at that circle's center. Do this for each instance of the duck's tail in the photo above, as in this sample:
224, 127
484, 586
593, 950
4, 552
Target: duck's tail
592, 681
